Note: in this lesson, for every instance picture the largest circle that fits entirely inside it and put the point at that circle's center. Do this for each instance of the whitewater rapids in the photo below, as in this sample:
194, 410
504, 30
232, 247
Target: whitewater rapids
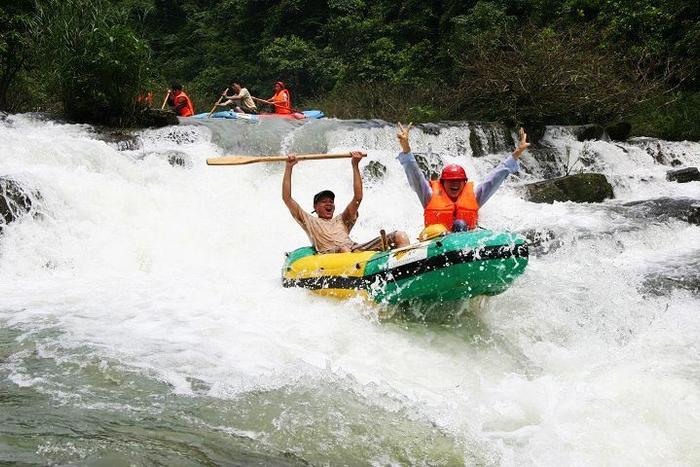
142, 319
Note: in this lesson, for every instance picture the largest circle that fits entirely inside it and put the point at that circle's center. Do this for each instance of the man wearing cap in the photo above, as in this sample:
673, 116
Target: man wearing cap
327, 233
453, 201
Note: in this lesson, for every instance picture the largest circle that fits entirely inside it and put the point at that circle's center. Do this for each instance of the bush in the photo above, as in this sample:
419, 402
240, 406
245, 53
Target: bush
15, 51
387, 101
672, 117
539, 75
96, 62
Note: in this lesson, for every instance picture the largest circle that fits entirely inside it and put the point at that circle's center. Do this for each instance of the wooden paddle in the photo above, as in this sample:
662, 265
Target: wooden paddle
165, 101
217, 103
242, 160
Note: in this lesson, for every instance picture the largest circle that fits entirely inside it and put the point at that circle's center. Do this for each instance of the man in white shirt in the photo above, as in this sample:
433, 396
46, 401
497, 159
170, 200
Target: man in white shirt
327, 233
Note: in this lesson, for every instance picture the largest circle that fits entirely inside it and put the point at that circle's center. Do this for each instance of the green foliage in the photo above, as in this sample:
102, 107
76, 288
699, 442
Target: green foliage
542, 76
540, 61
15, 50
390, 102
307, 68
673, 117
98, 64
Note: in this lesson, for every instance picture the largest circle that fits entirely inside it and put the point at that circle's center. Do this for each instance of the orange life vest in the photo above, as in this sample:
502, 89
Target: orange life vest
283, 102
188, 109
442, 210
145, 99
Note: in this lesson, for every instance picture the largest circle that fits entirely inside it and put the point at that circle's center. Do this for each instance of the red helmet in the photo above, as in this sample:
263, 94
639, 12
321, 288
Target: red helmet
453, 172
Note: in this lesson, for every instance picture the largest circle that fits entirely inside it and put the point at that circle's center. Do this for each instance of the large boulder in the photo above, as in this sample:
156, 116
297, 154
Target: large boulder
688, 174
579, 188
619, 131
14, 201
588, 132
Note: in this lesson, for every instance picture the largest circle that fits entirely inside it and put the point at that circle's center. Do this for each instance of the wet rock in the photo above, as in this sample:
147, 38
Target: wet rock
178, 159
156, 118
489, 138
588, 132
374, 171
652, 147
579, 188
535, 132
688, 174
174, 158
663, 209
619, 131
548, 163
430, 128
120, 140
475, 142
14, 201
430, 164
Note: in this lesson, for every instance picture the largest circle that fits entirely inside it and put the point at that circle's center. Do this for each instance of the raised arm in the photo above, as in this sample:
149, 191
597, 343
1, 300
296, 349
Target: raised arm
350, 213
522, 144
416, 179
493, 181
292, 205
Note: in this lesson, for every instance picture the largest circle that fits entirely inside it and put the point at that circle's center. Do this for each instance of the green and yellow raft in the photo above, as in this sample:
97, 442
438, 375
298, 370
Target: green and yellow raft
452, 267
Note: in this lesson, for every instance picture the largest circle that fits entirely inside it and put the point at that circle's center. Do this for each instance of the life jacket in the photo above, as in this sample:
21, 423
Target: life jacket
145, 99
188, 109
442, 210
285, 102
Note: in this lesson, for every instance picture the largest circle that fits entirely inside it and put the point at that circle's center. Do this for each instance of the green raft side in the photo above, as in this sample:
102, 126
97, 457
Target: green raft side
483, 272
455, 267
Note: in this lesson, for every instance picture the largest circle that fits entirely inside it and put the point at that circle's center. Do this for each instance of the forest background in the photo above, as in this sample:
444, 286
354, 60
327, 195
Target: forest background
532, 62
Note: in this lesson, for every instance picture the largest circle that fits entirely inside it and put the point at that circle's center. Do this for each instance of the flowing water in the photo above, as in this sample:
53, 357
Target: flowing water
142, 320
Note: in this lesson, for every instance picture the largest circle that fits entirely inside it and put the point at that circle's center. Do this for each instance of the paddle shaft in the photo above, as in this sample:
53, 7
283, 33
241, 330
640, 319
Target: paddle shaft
241, 160
165, 101
217, 103
276, 105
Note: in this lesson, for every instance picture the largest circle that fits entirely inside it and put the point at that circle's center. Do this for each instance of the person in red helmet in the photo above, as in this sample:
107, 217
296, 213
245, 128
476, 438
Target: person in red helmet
453, 201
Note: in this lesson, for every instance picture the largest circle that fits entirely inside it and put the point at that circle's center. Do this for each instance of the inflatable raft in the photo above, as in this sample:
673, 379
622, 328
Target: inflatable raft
456, 266
231, 115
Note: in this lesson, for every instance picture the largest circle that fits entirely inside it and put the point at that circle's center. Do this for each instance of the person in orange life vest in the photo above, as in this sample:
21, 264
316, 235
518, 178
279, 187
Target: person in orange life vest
281, 100
179, 101
454, 201
327, 233
145, 99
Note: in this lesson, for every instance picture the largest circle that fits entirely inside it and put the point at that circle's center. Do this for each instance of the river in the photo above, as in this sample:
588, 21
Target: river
142, 319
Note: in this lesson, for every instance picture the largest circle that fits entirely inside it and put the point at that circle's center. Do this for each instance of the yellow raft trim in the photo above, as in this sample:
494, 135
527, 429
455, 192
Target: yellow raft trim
332, 264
